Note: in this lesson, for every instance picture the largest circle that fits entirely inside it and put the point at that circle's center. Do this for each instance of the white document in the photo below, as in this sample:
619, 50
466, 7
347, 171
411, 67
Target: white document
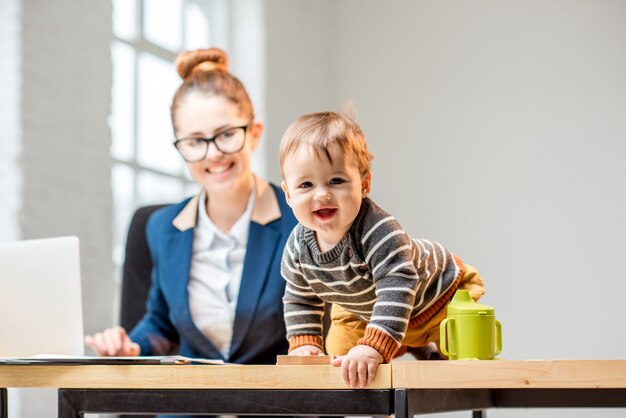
83, 360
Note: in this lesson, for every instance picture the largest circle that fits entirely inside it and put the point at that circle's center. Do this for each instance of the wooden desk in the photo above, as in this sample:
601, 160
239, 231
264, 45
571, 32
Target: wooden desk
441, 386
181, 377
227, 389
403, 388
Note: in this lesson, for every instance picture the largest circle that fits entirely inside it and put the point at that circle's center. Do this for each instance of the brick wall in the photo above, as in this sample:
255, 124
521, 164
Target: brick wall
65, 162
10, 80
55, 168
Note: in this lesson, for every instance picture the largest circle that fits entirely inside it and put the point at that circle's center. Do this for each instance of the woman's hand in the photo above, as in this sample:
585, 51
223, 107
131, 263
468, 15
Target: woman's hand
306, 350
112, 342
359, 366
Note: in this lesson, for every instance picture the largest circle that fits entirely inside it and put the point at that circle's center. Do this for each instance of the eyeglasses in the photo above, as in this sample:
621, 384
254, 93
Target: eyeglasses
228, 141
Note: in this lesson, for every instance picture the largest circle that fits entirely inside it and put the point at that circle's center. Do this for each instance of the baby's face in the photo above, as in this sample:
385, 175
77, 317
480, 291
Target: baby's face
325, 197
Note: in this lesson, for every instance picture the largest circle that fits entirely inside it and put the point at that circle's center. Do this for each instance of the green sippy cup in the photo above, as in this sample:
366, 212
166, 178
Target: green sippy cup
471, 331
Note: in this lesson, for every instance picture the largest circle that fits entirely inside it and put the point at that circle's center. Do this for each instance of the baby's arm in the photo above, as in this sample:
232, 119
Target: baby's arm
307, 350
358, 367
302, 307
390, 258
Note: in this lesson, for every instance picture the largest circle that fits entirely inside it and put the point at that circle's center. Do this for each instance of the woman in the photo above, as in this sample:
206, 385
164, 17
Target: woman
216, 286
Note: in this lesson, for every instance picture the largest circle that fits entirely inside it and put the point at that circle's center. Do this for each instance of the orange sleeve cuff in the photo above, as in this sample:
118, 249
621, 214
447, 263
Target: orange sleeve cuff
300, 340
381, 342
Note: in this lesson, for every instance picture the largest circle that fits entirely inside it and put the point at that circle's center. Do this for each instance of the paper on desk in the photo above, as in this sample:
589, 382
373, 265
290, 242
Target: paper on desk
82, 360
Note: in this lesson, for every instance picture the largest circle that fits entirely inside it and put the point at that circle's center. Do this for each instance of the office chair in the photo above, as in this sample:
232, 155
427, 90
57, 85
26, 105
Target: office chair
137, 269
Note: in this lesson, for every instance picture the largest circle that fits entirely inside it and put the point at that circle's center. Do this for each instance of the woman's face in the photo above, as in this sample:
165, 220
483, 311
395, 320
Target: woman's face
200, 116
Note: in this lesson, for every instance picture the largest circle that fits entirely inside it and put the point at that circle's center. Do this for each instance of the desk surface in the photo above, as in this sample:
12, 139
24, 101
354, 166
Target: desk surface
182, 377
416, 387
499, 374
510, 374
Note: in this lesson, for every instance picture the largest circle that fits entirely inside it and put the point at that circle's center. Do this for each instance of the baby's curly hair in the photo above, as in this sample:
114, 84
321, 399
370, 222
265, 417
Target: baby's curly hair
322, 130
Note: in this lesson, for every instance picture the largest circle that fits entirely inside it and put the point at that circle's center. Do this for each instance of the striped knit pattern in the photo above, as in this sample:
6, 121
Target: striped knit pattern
378, 272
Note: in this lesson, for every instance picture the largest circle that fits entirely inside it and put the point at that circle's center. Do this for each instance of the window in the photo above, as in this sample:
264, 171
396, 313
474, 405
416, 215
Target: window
148, 35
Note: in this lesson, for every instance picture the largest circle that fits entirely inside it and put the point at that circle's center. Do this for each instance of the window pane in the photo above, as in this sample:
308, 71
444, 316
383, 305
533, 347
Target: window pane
122, 182
125, 19
122, 113
197, 33
158, 82
154, 188
162, 22
191, 189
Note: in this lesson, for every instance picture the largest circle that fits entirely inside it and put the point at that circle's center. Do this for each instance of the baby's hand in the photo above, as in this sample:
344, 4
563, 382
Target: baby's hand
306, 350
359, 365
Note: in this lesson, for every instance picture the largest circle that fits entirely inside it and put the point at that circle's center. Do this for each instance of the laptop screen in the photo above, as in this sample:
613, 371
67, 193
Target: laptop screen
40, 298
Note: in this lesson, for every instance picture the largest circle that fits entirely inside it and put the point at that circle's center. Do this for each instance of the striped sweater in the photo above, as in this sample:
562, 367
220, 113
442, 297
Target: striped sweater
377, 272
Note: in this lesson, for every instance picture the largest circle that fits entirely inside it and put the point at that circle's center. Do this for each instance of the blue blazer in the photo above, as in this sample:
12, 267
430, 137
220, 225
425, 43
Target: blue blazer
259, 328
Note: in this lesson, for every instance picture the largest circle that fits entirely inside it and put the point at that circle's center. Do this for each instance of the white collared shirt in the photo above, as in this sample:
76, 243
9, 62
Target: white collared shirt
215, 275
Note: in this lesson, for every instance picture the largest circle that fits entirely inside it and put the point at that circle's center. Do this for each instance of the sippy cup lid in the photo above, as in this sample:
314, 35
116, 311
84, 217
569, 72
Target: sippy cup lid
463, 304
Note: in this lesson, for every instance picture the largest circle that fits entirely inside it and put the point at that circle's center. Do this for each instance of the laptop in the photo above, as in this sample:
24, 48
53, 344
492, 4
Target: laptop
40, 298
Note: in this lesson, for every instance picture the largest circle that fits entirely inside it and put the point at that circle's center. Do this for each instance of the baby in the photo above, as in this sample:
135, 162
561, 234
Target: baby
388, 291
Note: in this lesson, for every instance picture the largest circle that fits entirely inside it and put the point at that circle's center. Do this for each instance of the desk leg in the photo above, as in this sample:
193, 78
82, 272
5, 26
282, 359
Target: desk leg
66, 407
4, 398
409, 402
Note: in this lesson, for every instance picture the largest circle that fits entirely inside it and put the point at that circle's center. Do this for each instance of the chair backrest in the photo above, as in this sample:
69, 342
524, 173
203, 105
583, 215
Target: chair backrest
136, 275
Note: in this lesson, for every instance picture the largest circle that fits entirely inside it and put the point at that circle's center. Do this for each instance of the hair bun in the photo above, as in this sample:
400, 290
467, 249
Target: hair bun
188, 62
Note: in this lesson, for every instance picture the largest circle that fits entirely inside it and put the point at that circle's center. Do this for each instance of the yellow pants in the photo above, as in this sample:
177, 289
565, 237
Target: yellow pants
346, 328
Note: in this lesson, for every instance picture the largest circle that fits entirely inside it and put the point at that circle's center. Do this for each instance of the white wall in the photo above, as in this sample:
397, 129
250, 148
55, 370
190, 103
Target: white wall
298, 68
499, 129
